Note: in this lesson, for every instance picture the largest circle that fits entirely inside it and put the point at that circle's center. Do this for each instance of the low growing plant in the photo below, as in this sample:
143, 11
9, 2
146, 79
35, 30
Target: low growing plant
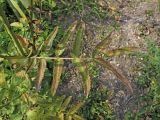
149, 81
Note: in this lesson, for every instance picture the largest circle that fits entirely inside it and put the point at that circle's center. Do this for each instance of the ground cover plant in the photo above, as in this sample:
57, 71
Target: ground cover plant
148, 79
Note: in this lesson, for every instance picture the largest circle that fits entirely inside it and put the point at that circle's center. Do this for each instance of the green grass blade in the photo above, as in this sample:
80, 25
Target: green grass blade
57, 71
78, 39
17, 7
17, 44
120, 76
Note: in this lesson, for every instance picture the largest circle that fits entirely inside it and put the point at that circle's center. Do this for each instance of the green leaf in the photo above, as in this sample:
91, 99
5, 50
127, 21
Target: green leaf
76, 107
50, 38
82, 69
17, 7
2, 77
61, 116
68, 34
26, 3
78, 39
17, 24
17, 44
66, 102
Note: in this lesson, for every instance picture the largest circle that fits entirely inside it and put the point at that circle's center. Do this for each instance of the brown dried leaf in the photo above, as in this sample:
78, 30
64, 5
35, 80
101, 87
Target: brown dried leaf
23, 41
120, 76
57, 71
103, 44
40, 75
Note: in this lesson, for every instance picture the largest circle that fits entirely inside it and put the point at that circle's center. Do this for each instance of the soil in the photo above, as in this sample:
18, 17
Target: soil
139, 21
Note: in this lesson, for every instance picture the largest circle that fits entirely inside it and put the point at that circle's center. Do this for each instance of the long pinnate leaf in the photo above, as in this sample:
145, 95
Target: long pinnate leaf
40, 75
77, 61
57, 71
120, 76
120, 51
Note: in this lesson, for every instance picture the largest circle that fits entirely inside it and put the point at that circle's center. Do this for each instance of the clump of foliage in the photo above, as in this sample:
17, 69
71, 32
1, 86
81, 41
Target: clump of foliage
97, 107
31, 48
149, 79
19, 100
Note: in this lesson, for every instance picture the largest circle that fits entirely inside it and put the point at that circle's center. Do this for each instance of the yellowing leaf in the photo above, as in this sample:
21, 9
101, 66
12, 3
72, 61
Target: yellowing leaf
120, 51
84, 73
61, 116
76, 107
40, 74
66, 102
2, 76
103, 44
17, 24
77, 117
120, 76
50, 38
57, 71
24, 42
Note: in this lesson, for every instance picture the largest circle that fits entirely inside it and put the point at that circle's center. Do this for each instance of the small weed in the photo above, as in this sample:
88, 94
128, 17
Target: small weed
149, 79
